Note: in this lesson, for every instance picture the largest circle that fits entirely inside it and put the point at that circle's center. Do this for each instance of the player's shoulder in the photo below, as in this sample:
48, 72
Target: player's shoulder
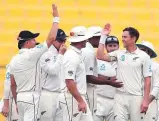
142, 54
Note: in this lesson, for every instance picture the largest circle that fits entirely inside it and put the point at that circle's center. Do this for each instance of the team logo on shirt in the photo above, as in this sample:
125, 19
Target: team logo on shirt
91, 68
7, 75
39, 46
135, 58
42, 113
150, 68
102, 67
122, 58
70, 73
46, 60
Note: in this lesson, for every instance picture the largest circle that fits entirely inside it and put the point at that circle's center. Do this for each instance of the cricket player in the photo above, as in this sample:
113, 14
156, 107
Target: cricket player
151, 114
25, 70
106, 93
134, 69
74, 86
51, 64
90, 61
9, 107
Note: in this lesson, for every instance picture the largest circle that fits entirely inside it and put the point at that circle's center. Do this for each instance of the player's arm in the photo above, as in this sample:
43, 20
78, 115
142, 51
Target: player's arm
47, 63
100, 52
13, 88
103, 80
147, 72
155, 90
70, 66
36, 52
52, 34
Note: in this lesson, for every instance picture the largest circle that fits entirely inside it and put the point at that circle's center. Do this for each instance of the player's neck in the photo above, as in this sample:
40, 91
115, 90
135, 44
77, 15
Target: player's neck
131, 48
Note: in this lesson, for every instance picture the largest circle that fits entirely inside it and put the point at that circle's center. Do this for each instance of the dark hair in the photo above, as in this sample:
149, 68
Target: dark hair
21, 44
133, 32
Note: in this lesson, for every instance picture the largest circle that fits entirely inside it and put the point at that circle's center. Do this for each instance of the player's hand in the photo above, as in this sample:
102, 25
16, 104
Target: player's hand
82, 107
144, 106
55, 12
5, 110
62, 49
106, 30
115, 83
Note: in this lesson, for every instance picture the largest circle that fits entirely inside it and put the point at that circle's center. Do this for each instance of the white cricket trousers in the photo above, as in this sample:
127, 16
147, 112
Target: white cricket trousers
104, 110
151, 114
127, 106
70, 109
49, 106
91, 98
13, 115
28, 106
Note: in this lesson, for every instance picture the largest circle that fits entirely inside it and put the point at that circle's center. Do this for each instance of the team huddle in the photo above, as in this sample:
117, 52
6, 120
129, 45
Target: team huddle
48, 82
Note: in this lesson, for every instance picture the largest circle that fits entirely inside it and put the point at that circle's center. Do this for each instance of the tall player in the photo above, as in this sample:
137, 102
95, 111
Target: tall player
51, 64
25, 70
134, 69
106, 93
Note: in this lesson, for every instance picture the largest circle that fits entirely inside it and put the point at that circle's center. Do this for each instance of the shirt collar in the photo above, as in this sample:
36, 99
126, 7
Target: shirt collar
23, 50
76, 49
135, 52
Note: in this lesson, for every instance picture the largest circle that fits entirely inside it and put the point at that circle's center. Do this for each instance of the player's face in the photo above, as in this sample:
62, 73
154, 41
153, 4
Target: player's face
58, 44
83, 44
31, 43
127, 39
112, 47
95, 41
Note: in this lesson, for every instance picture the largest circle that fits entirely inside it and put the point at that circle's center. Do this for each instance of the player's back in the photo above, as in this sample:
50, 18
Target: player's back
25, 71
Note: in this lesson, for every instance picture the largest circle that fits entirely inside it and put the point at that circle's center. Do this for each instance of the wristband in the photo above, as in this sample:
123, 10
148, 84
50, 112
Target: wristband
56, 20
102, 39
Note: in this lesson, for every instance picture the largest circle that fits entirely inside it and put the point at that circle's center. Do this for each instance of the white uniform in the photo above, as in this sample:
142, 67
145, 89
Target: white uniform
8, 95
74, 69
90, 61
152, 113
105, 93
50, 63
131, 70
26, 71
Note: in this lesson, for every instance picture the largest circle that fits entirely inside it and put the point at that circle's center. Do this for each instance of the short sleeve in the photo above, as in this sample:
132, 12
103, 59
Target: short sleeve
70, 67
36, 52
89, 61
147, 66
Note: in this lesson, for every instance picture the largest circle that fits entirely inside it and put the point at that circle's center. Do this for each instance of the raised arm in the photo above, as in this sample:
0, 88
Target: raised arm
52, 34
100, 52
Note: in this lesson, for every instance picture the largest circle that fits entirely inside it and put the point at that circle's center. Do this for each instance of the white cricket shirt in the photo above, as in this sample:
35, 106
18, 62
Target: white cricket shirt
131, 69
155, 79
106, 69
51, 64
74, 68
26, 69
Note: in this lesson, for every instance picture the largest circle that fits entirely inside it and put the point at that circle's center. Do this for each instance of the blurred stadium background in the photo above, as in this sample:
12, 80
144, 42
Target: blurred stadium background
35, 15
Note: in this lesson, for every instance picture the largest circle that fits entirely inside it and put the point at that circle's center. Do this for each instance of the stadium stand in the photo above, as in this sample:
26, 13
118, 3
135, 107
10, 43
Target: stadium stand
17, 15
